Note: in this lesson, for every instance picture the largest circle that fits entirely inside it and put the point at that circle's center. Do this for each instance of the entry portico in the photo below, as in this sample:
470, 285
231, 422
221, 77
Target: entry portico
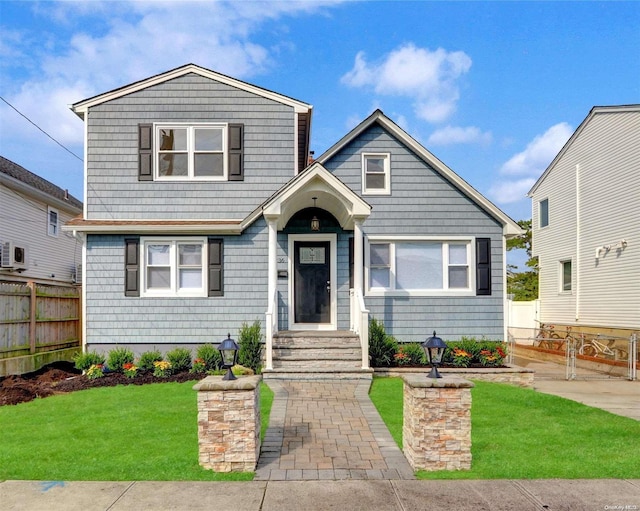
312, 256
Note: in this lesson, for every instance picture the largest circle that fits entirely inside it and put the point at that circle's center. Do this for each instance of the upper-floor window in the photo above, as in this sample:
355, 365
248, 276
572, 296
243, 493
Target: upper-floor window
565, 276
419, 266
543, 213
52, 225
191, 152
376, 179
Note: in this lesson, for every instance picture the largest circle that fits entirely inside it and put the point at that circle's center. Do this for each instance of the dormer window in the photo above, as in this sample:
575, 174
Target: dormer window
376, 178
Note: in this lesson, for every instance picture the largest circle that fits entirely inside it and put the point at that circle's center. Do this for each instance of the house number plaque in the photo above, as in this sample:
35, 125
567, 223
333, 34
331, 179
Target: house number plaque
311, 255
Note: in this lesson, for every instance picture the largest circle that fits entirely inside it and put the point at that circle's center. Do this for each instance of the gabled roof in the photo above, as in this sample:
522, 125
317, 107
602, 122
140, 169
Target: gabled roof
594, 111
510, 227
81, 107
13, 174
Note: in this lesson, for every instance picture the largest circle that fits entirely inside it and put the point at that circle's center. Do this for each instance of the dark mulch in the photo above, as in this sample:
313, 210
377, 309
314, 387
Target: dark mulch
62, 377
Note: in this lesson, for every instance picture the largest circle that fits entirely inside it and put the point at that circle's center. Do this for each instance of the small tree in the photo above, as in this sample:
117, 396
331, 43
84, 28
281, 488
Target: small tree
523, 286
250, 341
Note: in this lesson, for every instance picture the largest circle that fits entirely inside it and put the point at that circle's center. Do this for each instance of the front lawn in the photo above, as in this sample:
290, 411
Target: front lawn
519, 433
123, 433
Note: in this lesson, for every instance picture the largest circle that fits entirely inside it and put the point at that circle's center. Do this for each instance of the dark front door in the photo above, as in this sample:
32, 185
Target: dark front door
312, 286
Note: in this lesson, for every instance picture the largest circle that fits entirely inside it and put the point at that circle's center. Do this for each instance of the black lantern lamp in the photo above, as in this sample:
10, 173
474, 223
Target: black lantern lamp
434, 349
315, 223
229, 351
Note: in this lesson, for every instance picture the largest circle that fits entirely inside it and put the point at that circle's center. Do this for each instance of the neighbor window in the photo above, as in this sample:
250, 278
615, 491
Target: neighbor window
52, 216
565, 269
544, 213
191, 152
420, 265
375, 174
174, 268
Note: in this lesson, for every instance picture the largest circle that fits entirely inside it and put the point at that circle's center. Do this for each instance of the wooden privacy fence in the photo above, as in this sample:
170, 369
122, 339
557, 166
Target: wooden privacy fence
36, 318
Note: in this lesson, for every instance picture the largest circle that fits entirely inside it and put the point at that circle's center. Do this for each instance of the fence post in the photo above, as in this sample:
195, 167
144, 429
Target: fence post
32, 316
633, 357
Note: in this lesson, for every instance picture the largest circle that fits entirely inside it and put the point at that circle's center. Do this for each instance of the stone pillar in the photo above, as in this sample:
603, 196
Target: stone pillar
437, 422
229, 423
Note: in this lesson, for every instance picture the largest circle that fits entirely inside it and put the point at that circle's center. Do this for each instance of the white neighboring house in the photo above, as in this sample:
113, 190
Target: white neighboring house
586, 224
32, 244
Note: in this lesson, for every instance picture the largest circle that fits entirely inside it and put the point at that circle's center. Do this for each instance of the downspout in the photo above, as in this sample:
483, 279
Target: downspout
577, 242
506, 310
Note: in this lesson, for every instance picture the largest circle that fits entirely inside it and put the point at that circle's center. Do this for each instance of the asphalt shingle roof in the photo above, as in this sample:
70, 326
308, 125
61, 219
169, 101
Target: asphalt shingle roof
21, 174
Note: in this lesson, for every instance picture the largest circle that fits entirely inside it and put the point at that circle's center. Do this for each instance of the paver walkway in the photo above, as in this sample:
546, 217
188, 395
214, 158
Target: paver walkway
327, 429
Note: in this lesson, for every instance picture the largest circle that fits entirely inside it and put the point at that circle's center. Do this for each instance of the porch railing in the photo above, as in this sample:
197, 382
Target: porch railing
360, 323
271, 328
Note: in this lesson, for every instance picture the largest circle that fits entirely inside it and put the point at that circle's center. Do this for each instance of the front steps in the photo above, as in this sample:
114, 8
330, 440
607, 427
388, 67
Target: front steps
316, 355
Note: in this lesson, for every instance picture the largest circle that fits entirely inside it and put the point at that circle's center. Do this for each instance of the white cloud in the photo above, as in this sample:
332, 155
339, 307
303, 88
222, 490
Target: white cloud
134, 40
430, 77
527, 166
507, 192
538, 153
450, 135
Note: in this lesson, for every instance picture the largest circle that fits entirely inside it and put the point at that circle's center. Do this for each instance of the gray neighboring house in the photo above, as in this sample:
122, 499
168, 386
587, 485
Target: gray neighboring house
32, 245
202, 213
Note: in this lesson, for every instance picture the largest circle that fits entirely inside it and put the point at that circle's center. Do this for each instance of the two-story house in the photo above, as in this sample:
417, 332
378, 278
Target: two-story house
586, 224
32, 244
201, 213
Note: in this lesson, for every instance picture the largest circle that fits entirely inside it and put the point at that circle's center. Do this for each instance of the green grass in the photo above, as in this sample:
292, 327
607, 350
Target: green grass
123, 433
519, 433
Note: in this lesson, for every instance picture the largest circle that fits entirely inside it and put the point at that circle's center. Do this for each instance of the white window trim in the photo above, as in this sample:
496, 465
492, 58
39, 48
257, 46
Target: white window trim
561, 289
445, 291
387, 174
540, 226
173, 291
57, 227
190, 150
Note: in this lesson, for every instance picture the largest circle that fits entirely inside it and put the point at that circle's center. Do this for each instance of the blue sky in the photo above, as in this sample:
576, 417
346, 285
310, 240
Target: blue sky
493, 89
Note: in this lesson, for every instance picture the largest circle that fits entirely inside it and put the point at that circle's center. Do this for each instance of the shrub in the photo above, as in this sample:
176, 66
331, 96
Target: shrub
250, 341
211, 357
148, 358
382, 347
118, 357
180, 359
469, 351
410, 354
84, 361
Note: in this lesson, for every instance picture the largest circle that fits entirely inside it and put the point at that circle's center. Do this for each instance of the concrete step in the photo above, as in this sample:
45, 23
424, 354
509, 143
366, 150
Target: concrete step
343, 365
315, 339
317, 374
315, 353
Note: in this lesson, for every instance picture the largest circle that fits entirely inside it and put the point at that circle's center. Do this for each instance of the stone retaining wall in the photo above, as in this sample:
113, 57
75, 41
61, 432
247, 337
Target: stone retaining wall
436, 432
229, 423
513, 375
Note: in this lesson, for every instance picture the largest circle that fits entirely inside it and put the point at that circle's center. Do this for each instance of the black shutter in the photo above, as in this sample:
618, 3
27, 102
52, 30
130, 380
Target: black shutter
351, 262
216, 277
131, 267
145, 152
235, 148
483, 266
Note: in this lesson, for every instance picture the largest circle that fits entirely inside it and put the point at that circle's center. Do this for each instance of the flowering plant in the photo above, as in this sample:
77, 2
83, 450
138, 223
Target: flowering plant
95, 371
162, 369
198, 366
401, 357
492, 358
461, 358
130, 370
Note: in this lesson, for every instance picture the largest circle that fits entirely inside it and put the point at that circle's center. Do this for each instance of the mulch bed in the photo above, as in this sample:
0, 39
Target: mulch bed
62, 377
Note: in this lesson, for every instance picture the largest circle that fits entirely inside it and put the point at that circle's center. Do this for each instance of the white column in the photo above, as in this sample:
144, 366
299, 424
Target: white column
272, 279
358, 263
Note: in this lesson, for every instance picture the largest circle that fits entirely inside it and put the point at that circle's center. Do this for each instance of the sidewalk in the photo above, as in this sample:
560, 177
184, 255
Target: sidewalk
538, 495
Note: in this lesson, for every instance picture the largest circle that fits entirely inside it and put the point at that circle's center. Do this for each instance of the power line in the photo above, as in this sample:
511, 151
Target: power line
43, 131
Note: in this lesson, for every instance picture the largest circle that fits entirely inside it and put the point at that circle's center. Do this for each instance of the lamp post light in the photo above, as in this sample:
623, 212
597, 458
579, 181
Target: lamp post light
434, 349
229, 351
